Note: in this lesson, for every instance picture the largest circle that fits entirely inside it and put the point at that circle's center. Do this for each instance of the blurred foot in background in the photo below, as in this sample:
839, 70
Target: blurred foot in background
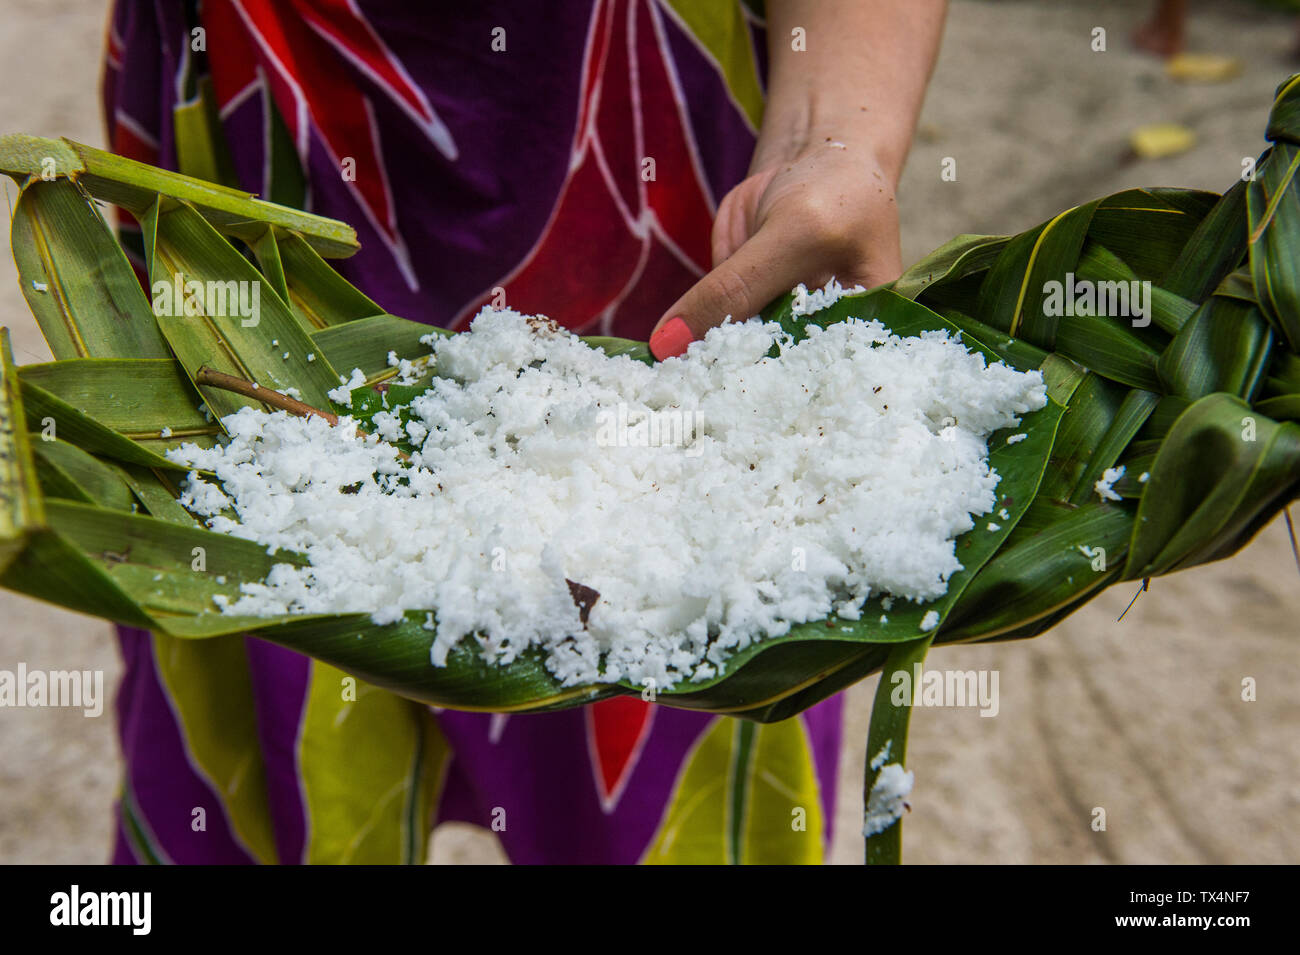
1164, 33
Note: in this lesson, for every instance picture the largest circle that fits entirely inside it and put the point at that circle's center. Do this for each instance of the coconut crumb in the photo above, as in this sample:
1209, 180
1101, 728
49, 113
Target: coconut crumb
1106, 483
881, 757
888, 798
343, 393
808, 303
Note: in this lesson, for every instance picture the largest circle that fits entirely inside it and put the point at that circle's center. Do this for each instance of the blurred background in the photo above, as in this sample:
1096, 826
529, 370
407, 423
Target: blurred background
1143, 718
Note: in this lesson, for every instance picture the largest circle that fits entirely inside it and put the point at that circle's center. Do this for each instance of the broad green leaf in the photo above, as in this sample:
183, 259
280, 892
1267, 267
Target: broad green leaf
1022, 271
76, 278
1166, 412
887, 742
136, 397
317, 291
269, 347
613, 347
201, 150
136, 187
1284, 374
266, 249
1213, 251
1055, 252
1273, 203
1079, 553
1016, 352
366, 342
1226, 346
1092, 408
1109, 348
1148, 228
1284, 118
962, 256
1221, 465
71, 473
1132, 414
1281, 408
1001, 292
1168, 312
21, 509
48, 414
1240, 285
157, 492
50, 568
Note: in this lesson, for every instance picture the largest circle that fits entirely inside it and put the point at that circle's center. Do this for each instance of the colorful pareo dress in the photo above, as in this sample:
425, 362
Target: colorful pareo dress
569, 157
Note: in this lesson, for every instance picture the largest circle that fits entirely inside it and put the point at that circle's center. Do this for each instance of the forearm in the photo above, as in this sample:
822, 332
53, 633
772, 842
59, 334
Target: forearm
860, 81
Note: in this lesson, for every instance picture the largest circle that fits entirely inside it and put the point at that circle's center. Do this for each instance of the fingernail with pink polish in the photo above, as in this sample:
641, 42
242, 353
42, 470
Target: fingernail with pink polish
671, 339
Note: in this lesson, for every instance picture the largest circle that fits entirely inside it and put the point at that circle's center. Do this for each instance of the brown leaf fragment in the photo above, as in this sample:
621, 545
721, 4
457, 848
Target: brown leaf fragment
584, 597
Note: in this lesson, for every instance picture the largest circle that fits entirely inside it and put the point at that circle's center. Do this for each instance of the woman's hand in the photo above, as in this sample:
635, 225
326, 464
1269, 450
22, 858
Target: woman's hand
819, 200
826, 211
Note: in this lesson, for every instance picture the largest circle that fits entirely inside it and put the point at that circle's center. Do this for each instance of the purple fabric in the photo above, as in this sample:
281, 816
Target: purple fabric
165, 785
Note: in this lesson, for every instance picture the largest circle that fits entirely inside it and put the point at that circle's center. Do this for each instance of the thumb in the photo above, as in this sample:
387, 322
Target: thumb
740, 287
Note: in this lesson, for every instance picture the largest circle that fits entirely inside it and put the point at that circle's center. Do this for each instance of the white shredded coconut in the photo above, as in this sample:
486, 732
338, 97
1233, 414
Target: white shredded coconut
886, 801
994, 527
165, 433
520, 479
1016, 438
930, 620
343, 393
806, 302
1106, 483
879, 759
200, 496
1144, 477
408, 372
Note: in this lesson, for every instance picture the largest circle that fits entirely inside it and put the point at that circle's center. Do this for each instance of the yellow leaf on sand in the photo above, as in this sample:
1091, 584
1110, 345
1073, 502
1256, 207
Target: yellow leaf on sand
1161, 139
1202, 67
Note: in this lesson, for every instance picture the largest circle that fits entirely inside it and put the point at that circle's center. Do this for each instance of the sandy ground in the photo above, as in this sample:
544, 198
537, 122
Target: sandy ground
1143, 718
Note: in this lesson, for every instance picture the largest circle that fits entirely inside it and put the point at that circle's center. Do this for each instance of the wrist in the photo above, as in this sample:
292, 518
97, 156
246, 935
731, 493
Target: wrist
794, 126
